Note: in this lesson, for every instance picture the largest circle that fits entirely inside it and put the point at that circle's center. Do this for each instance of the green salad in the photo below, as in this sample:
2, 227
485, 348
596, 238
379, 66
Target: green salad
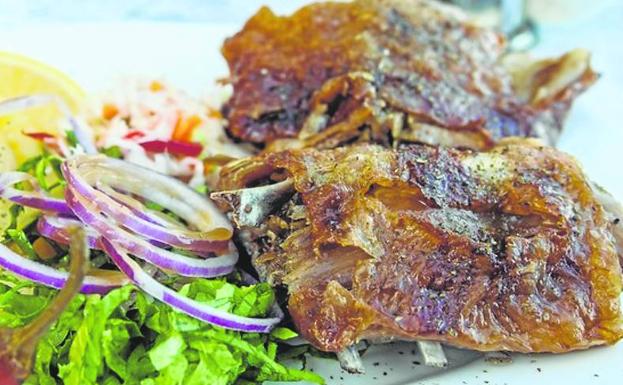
127, 337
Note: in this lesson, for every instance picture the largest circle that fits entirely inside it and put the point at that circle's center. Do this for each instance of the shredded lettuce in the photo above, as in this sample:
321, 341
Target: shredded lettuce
14, 217
127, 338
283, 334
46, 168
113, 152
72, 139
21, 240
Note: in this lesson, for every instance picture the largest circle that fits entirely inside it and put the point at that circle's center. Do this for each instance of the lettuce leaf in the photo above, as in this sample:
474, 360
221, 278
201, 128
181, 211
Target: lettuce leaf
113, 152
17, 309
283, 334
116, 342
85, 355
21, 240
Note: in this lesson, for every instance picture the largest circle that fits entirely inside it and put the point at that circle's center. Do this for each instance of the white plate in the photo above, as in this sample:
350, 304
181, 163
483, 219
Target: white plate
188, 56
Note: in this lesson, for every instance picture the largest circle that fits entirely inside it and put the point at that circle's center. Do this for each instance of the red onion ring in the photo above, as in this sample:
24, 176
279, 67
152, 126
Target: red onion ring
139, 208
56, 229
119, 224
84, 173
35, 199
89, 213
48, 276
186, 305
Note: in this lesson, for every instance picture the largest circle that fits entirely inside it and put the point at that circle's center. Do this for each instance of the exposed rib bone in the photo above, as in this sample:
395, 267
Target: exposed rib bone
433, 354
350, 360
250, 206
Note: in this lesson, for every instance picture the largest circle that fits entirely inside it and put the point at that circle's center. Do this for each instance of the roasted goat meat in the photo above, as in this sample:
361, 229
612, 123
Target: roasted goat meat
390, 71
507, 249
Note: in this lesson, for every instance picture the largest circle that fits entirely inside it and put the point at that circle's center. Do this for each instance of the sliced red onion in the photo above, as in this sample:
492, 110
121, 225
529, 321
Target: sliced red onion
48, 276
56, 229
139, 209
186, 305
83, 134
84, 173
173, 147
89, 213
35, 199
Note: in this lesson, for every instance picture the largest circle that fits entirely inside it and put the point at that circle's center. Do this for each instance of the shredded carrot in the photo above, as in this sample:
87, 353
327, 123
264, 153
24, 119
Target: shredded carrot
185, 127
109, 111
156, 86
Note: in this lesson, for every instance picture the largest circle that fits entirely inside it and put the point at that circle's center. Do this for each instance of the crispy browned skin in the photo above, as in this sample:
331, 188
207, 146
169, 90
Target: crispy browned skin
501, 250
389, 71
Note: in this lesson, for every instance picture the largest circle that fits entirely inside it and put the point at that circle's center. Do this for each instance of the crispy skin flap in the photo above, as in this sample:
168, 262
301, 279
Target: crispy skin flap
503, 250
390, 71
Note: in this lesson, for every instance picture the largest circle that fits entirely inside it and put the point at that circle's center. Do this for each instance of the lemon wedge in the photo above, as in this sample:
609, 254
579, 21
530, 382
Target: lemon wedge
20, 76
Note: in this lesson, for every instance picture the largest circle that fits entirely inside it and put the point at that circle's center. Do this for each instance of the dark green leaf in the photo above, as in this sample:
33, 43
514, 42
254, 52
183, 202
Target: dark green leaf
14, 211
30, 164
21, 240
139, 365
283, 334
113, 152
72, 139
153, 206
202, 189
85, 356
115, 344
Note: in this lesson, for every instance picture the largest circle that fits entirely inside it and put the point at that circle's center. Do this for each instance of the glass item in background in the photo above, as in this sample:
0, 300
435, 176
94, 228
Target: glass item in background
522, 21
518, 27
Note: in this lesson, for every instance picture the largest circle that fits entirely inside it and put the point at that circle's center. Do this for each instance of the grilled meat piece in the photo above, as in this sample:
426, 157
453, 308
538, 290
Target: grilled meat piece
390, 71
508, 249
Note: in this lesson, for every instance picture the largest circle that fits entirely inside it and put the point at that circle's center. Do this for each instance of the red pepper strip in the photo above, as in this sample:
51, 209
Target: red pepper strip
156, 146
173, 147
133, 135
39, 135
184, 148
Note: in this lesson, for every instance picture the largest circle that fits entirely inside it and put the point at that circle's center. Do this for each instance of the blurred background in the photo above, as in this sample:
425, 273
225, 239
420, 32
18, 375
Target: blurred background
95, 41
230, 11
